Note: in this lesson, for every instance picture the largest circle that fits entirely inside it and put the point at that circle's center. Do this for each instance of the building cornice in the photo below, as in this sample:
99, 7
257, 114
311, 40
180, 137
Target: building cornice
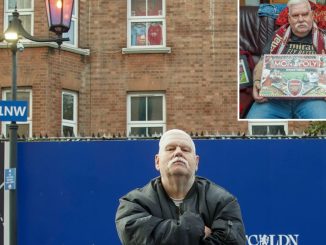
68, 48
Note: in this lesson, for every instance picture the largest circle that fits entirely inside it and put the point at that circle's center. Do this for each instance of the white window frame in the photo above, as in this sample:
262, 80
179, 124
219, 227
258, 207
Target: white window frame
30, 109
145, 124
27, 11
159, 18
74, 21
268, 123
70, 123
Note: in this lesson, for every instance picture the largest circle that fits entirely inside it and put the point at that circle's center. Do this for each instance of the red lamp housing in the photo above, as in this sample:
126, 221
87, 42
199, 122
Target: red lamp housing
59, 15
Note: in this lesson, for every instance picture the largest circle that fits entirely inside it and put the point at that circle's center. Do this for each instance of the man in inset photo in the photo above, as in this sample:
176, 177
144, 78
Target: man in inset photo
300, 36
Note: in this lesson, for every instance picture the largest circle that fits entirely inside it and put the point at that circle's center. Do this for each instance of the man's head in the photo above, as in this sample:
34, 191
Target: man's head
177, 156
300, 17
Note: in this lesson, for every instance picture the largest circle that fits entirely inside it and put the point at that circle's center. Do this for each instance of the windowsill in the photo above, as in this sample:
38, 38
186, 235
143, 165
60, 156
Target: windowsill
68, 48
161, 50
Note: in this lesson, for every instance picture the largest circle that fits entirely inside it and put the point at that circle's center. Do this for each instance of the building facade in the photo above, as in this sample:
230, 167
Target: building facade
132, 67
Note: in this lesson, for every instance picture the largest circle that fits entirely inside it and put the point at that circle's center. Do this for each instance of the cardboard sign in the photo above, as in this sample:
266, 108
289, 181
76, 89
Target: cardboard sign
294, 76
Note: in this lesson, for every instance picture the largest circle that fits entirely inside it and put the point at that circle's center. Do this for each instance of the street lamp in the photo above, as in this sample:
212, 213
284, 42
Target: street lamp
59, 17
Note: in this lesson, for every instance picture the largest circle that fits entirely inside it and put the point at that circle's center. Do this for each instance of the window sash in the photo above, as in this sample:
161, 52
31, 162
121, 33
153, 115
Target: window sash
147, 131
68, 114
145, 124
269, 128
72, 34
11, 7
148, 38
29, 27
152, 33
23, 13
70, 122
132, 15
146, 109
154, 36
74, 107
73, 31
66, 127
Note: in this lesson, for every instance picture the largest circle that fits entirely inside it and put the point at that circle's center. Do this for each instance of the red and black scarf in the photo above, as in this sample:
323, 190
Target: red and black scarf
282, 35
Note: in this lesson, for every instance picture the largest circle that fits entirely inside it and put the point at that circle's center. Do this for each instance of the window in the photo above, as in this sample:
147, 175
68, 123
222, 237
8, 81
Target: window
26, 13
73, 31
69, 114
24, 128
268, 128
146, 114
146, 23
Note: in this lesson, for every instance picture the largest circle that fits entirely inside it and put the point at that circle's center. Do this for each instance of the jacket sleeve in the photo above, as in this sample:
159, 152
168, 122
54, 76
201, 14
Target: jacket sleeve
135, 225
227, 227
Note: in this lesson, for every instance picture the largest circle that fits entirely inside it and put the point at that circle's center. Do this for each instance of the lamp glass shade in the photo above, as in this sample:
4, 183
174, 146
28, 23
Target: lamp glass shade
11, 36
59, 15
12, 32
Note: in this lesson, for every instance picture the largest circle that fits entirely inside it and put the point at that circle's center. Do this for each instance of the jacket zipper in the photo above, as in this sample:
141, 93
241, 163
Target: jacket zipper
178, 211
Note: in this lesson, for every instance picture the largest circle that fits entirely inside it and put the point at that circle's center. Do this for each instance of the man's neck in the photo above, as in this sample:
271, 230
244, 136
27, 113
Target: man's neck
177, 186
302, 35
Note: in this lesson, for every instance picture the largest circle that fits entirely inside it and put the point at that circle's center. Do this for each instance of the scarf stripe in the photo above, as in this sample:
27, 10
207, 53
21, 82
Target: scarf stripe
282, 35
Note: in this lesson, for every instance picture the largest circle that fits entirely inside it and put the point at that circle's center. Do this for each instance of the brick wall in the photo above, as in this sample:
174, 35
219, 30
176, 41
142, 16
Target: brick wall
198, 77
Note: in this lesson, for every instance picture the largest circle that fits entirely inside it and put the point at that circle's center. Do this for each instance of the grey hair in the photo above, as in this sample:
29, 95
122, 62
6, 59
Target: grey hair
293, 2
176, 131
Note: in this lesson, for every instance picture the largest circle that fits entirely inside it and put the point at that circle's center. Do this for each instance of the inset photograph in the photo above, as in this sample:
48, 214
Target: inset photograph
282, 60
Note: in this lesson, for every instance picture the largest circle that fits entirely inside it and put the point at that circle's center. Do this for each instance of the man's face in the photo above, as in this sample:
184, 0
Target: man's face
300, 19
176, 157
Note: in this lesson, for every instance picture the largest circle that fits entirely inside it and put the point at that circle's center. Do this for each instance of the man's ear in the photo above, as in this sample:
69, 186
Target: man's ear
197, 162
157, 162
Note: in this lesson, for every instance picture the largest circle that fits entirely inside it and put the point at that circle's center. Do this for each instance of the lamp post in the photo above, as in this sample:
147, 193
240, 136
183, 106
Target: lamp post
59, 17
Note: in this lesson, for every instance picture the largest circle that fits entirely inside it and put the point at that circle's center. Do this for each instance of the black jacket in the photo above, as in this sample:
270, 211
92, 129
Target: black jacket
147, 216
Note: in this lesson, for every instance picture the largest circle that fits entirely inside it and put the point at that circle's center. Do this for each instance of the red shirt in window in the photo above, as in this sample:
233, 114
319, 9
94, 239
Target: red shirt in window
155, 34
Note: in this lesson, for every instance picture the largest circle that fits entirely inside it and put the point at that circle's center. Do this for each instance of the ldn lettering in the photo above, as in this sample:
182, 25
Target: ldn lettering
272, 239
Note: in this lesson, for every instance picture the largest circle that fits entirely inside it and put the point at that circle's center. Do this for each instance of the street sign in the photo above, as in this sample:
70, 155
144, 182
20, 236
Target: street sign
10, 179
13, 111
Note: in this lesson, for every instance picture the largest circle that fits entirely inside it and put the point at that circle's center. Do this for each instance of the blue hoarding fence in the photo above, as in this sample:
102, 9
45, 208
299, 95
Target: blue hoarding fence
69, 191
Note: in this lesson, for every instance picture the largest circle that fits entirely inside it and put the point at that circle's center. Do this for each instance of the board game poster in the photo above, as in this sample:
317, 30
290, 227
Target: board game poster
294, 76
245, 78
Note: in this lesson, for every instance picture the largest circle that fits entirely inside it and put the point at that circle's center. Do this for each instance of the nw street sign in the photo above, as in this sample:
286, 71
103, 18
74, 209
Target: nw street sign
13, 111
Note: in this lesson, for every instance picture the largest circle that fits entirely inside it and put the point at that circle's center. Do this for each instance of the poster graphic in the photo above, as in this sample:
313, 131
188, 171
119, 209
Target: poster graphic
294, 76
245, 78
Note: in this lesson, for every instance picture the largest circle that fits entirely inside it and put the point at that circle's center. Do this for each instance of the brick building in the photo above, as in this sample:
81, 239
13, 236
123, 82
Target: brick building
133, 67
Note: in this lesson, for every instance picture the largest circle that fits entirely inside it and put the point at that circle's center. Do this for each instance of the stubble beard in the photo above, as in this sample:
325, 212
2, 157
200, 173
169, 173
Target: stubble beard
302, 28
180, 179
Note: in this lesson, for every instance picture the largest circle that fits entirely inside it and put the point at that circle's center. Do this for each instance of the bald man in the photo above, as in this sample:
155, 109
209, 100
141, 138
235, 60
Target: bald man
179, 207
